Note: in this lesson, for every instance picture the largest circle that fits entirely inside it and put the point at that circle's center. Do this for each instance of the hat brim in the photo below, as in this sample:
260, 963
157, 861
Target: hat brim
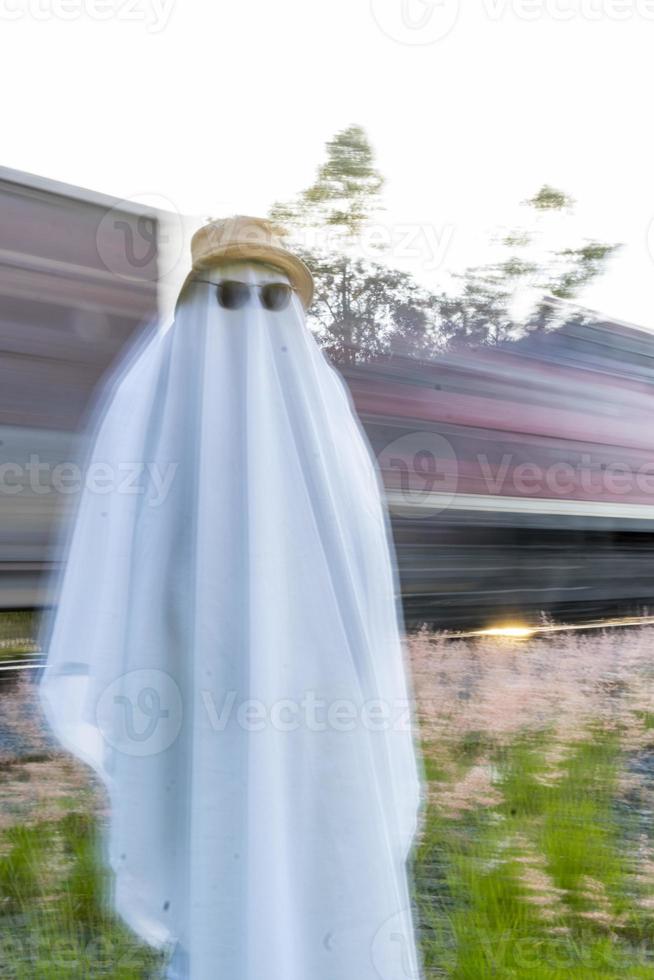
292, 266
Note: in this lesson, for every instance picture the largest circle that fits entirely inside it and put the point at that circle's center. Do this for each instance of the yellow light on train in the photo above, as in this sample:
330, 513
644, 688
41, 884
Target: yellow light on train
515, 632
520, 631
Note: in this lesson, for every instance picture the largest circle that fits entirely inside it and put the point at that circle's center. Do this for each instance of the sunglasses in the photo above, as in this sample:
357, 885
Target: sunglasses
232, 295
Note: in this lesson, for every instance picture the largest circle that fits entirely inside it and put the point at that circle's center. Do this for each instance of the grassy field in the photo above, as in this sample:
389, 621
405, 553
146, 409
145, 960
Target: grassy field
536, 858
17, 634
536, 855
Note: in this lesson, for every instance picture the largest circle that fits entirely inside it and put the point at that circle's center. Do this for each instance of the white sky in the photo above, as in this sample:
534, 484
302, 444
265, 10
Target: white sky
222, 108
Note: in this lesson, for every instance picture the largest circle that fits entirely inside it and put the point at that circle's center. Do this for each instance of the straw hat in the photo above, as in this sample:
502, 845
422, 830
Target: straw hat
244, 238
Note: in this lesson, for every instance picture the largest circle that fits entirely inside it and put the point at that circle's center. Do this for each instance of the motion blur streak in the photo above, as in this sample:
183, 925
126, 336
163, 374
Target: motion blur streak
519, 476
73, 291
524, 632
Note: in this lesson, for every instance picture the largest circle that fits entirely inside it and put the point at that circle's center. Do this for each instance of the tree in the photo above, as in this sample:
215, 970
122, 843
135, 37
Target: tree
345, 192
502, 300
363, 308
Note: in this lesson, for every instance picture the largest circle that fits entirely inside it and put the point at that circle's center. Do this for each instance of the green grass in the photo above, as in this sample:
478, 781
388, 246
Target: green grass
647, 718
539, 879
21, 622
54, 917
542, 884
480, 913
18, 633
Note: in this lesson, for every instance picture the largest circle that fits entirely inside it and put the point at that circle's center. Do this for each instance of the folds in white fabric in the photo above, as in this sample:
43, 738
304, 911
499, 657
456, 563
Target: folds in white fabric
226, 655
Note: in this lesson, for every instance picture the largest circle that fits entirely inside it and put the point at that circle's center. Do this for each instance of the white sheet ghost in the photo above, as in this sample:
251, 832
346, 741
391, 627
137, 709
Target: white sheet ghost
226, 655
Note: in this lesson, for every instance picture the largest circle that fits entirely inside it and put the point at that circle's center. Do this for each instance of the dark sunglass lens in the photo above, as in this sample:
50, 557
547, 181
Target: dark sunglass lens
276, 295
232, 295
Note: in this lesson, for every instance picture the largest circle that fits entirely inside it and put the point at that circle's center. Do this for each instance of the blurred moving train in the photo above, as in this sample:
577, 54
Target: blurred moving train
519, 478
72, 294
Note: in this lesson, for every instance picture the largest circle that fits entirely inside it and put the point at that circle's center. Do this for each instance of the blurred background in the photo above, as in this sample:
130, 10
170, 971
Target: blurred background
512, 425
